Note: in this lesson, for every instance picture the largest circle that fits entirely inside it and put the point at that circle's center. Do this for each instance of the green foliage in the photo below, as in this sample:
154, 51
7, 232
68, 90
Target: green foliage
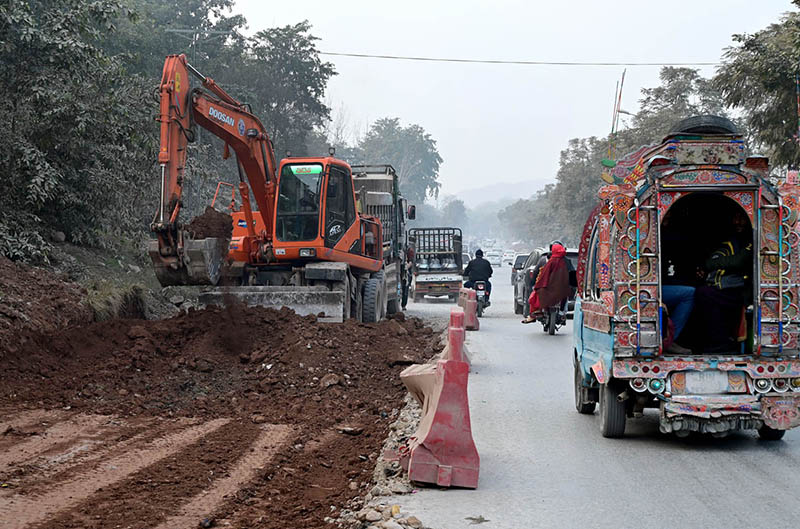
758, 78
78, 150
410, 150
72, 147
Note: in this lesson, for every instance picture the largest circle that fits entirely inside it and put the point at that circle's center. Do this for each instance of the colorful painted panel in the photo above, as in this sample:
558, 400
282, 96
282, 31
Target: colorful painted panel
781, 412
744, 199
703, 177
604, 251
693, 153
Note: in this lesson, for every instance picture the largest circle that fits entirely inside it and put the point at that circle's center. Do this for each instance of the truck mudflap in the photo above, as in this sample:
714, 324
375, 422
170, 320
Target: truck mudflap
327, 305
721, 413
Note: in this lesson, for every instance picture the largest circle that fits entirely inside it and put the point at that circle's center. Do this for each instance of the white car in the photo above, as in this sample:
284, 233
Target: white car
494, 258
508, 257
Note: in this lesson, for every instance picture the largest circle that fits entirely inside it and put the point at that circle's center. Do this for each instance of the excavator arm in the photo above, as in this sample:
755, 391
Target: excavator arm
177, 259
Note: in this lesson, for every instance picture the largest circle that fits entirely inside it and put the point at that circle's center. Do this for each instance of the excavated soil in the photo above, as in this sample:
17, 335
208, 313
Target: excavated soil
212, 223
37, 299
239, 417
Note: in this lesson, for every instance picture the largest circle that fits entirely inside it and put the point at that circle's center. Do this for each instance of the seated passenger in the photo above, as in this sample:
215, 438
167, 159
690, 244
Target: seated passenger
676, 290
719, 305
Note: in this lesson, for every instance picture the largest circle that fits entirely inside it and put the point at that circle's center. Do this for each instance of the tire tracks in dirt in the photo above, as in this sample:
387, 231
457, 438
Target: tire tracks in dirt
191, 482
268, 443
19, 511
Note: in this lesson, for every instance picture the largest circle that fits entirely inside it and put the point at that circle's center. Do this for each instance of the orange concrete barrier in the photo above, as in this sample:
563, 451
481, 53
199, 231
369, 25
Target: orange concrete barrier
442, 450
471, 321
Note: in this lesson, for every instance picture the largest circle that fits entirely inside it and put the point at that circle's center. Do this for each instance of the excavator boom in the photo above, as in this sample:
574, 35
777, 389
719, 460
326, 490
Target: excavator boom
178, 260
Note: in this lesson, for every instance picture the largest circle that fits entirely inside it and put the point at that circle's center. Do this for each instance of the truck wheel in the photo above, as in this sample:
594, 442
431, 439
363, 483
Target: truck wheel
612, 413
371, 309
770, 434
586, 408
517, 308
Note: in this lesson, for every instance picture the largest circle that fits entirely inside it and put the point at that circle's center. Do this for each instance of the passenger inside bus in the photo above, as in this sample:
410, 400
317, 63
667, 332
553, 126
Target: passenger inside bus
707, 247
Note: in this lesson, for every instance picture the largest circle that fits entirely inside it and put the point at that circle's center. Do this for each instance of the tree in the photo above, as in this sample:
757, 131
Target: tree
410, 150
757, 77
454, 213
71, 153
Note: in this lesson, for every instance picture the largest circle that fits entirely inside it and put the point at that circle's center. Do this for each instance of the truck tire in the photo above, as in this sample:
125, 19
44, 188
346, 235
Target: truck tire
586, 408
383, 293
612, 413
517, 308
371, 299
770, 434
705, 125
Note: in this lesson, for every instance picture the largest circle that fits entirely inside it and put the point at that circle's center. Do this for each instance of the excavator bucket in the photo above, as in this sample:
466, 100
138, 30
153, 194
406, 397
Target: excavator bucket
328, 305
203, 262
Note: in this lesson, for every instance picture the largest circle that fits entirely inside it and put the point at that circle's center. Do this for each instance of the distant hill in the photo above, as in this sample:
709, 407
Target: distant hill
500, 192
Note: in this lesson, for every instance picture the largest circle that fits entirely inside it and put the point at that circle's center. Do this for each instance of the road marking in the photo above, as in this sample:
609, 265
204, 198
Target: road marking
205, 503
18, 512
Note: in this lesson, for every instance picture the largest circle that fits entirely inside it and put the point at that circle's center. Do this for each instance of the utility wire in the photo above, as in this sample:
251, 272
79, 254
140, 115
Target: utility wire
523, 63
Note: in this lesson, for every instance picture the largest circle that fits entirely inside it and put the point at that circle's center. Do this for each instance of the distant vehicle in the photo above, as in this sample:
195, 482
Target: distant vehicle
437, 262
517, 264
494, 258
508, 257
523, 283
465, 259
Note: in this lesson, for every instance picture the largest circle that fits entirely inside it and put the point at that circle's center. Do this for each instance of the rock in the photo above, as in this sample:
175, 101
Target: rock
397, 487
401, 360
353, 485
123, 392
207, 522
177, 299
258, 419
414, 522
373, 516
58, 236
350, 430
135, 269
391, 524
331, 379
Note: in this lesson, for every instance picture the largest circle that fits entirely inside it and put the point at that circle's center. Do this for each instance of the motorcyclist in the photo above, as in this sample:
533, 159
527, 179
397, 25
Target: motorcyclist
552, 283
479, 269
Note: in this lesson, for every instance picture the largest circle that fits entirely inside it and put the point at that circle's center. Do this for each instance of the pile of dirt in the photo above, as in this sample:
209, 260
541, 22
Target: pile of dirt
211, 223
37, 299
336, 386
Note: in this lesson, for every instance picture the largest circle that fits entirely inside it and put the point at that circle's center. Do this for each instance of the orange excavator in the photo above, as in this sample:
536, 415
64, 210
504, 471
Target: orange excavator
306, 245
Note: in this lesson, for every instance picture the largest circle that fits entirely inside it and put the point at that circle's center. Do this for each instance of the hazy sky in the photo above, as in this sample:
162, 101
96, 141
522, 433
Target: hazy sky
507, 123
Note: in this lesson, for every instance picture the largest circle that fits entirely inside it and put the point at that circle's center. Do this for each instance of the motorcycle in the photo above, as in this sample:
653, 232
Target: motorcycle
480, 294
552, 319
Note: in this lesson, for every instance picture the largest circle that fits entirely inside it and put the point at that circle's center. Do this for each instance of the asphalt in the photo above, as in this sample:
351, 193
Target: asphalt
545, 465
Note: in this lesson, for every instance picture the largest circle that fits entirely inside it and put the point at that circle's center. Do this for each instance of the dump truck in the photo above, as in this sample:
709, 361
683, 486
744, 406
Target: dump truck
438, 262
378, 195
304, 246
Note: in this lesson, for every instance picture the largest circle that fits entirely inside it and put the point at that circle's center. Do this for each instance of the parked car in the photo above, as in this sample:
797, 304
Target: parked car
517, 264
523, 284
465, 259
508, 257
494, 258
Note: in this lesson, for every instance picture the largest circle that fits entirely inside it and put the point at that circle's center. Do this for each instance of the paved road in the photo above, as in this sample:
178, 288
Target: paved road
545, 465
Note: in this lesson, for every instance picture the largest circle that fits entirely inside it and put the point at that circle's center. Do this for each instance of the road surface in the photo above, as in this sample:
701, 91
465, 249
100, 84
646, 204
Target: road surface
545, 465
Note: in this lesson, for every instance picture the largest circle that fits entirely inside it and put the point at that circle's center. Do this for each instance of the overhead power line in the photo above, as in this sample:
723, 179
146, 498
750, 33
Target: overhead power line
522, 63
